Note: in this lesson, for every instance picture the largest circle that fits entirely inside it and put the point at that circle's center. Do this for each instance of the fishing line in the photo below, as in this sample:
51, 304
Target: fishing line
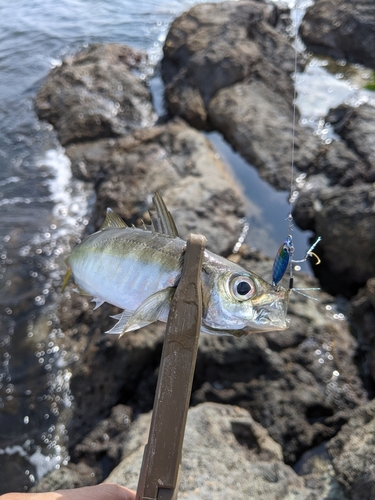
291, 197
284, 256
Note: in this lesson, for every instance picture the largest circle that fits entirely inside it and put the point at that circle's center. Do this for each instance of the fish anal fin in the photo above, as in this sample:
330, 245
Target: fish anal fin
98, 302
113, 221
122, 320
162, 221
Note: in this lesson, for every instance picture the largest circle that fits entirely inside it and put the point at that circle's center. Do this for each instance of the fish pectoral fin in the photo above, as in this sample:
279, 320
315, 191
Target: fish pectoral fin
151, 309
98, 302
162, 221
148, 312
80, 290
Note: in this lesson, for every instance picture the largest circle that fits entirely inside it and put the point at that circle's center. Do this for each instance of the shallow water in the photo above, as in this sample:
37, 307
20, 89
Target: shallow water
44, 210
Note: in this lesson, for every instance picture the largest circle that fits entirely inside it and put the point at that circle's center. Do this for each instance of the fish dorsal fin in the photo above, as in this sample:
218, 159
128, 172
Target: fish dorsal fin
162, 221
113, 221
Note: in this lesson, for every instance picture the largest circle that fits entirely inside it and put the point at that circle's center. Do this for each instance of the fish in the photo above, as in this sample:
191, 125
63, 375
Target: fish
138, 270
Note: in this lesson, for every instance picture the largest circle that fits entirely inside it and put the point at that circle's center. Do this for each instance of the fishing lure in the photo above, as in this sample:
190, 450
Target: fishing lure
284, 259
281, 261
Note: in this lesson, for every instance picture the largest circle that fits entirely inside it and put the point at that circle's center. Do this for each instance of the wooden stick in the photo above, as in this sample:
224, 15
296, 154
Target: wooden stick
159, 477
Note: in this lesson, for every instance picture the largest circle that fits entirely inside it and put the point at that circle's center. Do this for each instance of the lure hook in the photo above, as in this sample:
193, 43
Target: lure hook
284, 258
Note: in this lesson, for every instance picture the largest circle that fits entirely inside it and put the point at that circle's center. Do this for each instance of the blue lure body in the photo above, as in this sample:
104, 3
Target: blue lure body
281, 261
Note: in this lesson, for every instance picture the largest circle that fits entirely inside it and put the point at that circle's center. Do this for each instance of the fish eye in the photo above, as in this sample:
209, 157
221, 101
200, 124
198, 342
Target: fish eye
242, 287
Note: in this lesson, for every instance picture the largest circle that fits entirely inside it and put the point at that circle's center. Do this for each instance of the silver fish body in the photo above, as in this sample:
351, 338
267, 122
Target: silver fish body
138, 270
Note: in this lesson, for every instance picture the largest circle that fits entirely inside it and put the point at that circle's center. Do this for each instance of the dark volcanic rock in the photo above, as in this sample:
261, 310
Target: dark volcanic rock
102, 447
344, 29
352, 452
252, 106
174, 159
258, 123
300, 384
337, 202
205, 51
225, 65
356, 126
181, 163
338, 165
104, 369
96, 94
345, 219
362, 318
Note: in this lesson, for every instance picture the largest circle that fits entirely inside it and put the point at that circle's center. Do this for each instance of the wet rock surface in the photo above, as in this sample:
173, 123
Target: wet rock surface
227, 66
96, 94
337, 202
356, 127
268, 400
362, 317
252, 107
299, 384
343, 30
175, 159
352, 454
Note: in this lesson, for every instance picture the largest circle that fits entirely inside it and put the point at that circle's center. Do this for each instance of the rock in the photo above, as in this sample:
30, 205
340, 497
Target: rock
225, 65
258, 123
94, 457
174, 159
345, 219
252, 106
343, 30
103, 369
352, 452
337, 165
317, 470
356, 126
96, 94
202, 197
67, 477
205, 50
102, 447
226, 454
300, 384
337, 202
362, 319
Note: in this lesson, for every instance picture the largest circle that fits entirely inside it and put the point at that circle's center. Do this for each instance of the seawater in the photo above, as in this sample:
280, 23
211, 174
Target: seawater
43, 211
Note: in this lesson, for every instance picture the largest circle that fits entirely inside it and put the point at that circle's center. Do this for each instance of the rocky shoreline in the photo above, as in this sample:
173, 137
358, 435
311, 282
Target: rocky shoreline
290, 414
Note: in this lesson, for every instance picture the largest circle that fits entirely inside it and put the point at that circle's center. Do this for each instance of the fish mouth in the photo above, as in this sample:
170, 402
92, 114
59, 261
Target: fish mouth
272, 316
265, 320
